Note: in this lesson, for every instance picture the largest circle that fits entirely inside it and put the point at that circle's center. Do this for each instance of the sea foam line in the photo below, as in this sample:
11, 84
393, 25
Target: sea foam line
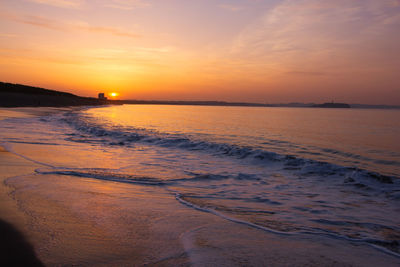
369, 242
9, 148
95, 174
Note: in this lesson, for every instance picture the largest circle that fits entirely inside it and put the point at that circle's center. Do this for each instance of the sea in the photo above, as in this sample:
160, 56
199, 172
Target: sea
289, 171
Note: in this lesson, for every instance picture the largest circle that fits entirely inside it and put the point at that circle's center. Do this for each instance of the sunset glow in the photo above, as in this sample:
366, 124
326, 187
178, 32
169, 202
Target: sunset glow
262, 51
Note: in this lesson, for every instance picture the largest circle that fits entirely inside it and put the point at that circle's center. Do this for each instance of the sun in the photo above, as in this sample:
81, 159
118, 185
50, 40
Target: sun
113, 94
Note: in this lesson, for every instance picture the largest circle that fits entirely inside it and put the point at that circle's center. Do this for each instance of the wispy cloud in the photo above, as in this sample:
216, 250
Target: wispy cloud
307, 73
104, 57
74, 4
84, 26
126, 4
8, 35
231, 7
43, 22
297, 34
40, 21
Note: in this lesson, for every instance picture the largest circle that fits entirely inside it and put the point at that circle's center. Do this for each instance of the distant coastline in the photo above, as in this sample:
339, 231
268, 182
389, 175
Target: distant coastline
332, 105
17, 95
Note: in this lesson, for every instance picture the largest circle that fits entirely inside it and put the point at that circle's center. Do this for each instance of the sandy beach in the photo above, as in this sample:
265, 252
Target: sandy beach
82, 221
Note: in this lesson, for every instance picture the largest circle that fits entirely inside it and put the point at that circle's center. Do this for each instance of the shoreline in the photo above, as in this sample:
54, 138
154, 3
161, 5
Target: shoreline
16, 247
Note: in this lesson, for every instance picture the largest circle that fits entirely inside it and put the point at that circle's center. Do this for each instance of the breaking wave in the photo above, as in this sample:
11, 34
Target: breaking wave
114, 135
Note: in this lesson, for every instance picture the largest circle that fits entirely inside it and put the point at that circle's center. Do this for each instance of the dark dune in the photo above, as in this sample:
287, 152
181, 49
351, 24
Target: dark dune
16, 95
15, 249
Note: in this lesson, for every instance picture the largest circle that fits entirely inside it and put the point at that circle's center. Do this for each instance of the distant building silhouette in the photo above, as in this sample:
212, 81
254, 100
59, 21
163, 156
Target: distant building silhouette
102, 97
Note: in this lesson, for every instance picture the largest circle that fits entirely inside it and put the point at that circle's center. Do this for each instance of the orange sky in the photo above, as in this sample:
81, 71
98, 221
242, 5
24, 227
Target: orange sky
237, 50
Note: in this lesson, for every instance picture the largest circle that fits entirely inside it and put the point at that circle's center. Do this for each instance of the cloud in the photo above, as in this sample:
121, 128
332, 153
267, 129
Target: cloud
101, 29
74, 4
126, 4
230, 7
39, 21
8, 35
57, 25
307, 73
298, 34
120, 57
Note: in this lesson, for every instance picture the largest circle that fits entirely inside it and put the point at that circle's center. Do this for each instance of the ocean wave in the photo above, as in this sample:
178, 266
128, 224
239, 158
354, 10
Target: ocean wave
123, 136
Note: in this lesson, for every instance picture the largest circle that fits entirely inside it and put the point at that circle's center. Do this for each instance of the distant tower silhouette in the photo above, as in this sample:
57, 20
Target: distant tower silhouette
102, 97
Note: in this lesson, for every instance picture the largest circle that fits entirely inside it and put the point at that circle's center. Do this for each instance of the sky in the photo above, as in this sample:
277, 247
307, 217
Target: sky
266, 51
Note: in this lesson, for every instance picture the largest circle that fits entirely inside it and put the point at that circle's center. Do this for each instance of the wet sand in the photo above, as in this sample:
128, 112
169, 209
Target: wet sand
89, 222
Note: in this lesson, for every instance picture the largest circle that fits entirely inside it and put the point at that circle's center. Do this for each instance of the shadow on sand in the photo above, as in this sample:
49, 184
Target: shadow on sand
15, 249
